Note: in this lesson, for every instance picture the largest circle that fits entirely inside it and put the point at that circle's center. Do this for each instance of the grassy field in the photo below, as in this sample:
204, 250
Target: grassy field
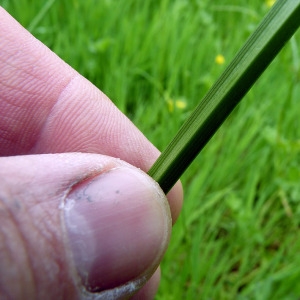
238, 235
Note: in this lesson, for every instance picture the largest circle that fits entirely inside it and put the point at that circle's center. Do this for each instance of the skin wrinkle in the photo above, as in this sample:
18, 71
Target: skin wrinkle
23, 77
56, 269
38, 221
75, 114
71, 115
43, 229
21, 239
30, 266
29, 70
44, 127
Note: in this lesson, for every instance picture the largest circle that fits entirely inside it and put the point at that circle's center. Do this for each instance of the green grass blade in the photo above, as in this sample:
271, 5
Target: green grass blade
37, 19
259, 50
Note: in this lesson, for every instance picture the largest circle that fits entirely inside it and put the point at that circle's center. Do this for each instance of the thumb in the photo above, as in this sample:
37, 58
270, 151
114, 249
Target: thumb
78, 226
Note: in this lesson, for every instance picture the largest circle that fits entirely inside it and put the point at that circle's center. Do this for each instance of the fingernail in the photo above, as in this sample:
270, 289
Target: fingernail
118, 226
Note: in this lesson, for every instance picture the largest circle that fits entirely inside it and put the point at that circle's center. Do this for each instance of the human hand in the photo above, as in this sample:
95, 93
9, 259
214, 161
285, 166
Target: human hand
79, 223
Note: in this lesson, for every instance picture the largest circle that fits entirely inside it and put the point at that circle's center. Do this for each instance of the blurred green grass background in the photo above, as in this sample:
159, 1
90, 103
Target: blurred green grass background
238, 235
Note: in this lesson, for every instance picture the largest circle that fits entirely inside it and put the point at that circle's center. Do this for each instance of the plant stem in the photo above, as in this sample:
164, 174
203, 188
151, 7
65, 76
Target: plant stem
260, 49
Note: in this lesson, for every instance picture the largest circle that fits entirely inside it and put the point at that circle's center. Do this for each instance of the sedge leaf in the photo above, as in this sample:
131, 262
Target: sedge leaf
260, 49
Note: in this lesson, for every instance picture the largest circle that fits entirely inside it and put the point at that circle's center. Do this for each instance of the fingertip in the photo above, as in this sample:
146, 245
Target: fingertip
118, 226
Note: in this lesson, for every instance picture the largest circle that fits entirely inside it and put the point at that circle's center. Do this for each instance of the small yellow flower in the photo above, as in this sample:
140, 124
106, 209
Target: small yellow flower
181, 104
220, 59
270, 3
172, 104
